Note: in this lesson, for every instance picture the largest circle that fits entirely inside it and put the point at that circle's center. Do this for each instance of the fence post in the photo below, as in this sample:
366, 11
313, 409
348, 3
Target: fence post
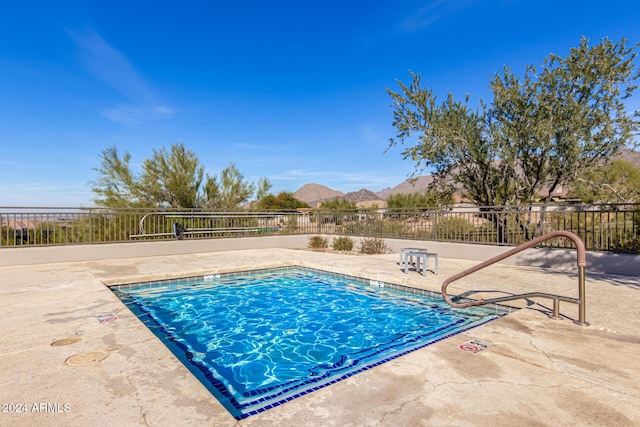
90, 225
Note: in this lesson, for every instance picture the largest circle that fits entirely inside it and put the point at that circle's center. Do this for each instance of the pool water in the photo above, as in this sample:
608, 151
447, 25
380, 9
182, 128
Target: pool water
257, 340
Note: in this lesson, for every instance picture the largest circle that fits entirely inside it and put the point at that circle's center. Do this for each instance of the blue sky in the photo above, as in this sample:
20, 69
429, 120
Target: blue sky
290, 90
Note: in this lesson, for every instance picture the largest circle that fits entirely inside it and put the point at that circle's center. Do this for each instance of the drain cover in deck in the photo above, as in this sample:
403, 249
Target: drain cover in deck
86, 358
65, 341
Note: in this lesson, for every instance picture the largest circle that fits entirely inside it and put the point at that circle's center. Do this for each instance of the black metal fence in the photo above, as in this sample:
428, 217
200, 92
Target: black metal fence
609, 228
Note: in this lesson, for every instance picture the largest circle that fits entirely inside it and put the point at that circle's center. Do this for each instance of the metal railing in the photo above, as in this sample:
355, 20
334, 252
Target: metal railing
581, 263
195, 224
607, 228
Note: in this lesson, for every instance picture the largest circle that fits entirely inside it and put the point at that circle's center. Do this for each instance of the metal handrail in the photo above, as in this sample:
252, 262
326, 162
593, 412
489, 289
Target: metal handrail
581, 262
207, 215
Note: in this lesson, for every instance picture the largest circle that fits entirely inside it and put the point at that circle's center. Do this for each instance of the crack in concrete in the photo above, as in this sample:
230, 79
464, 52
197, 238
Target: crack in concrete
19, 351
400, 408
561, 369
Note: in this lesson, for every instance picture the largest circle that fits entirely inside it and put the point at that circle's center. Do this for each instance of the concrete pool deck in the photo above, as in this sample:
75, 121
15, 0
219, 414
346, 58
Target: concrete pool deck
538, 371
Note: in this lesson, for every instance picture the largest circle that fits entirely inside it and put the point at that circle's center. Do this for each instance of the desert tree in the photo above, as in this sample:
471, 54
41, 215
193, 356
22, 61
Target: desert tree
615, 182
431, 198
228, 191
264, 186
450, 138
173, 178
338, 204
170, 178
117, 185
565, 118
537, 133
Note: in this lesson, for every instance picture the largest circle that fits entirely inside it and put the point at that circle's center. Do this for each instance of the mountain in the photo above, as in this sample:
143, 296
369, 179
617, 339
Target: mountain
362, 195
365, 199
312, 193
315, 194
411, 185
628, 154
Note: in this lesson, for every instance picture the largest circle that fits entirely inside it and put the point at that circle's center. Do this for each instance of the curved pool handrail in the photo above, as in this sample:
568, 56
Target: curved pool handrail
581, 262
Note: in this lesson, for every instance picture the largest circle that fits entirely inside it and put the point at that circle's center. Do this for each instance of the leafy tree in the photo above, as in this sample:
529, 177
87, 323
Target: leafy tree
339, 205
428, 199
566, 118
230, 192
173, 178
170, 178
282, 201
116, 185
264, 185
615, 182
538, 133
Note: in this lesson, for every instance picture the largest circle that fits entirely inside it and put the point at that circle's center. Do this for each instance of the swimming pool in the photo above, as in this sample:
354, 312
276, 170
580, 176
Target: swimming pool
259, 339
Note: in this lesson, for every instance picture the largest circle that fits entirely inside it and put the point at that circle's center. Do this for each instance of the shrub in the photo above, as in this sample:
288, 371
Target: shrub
283, 201
291, 225
339, 205
379, 227
373, 246
342, 243
429, 199
452, 228
318, 242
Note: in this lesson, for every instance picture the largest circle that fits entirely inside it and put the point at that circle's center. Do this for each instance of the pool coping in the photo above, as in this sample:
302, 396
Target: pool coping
537, 372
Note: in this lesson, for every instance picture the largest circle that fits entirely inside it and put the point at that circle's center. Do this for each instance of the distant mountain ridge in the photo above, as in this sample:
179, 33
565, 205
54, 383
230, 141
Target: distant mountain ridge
630, 155
410, 185
364, 198
314, 194
362, 195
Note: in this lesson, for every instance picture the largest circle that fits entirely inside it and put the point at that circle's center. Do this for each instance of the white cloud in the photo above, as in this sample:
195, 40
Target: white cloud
113, 68
130, 115
432, 12
124, 114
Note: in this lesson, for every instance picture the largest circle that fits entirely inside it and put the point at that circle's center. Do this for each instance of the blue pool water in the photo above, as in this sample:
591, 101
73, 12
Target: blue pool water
259, 339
